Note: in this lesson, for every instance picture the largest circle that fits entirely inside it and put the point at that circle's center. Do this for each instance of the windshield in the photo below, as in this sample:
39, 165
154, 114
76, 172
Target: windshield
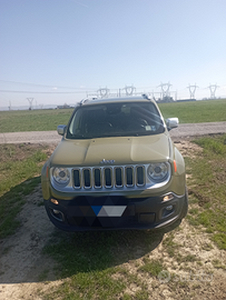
117, 119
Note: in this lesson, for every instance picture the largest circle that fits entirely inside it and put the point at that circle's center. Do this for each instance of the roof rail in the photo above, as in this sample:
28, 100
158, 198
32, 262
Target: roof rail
87, 99
83, 101
146, 96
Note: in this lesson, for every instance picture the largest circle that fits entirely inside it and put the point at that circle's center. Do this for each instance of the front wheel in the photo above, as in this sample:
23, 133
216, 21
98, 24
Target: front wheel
185, 208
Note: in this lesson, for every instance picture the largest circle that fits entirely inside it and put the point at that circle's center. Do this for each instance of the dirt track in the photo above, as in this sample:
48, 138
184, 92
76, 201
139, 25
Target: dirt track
183, 131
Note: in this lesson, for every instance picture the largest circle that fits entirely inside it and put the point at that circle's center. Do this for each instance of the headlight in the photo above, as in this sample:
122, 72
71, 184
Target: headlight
61, 176
158, 172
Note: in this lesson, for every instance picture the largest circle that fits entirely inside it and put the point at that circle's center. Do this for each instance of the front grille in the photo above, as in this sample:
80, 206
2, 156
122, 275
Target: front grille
129, 177
87, 178
109, 177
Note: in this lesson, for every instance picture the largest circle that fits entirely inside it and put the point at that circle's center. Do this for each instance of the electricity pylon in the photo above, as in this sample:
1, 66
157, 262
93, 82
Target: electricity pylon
30, 100
192, 89
103, 92
213, 88
129, 90
165, 89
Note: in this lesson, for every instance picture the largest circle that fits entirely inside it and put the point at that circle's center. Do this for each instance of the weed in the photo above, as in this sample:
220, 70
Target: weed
193, 221
170, 245
154, 267
207, 247
188, 258
193, 211
141, 295
220, 240
126, 297
218, 264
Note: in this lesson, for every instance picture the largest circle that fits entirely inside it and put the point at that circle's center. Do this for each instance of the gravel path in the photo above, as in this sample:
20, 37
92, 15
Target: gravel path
183, 131
198, 129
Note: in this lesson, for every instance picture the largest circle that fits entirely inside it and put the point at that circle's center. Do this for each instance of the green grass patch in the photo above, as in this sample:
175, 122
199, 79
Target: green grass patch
88, 286
83, 252
208, 188
153, 267
44, 120
33, 120
195, 112
218, 264
214, 146
185, 259
87, 261
220, 240
92, 263
19, 174
170, 245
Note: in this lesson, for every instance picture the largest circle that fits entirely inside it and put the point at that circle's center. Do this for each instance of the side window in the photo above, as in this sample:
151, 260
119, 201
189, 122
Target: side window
75, 124
71, 126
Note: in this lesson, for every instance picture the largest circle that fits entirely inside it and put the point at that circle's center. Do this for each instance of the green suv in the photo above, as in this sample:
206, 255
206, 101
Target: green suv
116, 167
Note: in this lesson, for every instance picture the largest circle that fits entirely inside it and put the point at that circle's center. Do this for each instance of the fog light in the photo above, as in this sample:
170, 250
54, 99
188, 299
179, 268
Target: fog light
57, 214
168, 197
168, 211
54, 201
169, 207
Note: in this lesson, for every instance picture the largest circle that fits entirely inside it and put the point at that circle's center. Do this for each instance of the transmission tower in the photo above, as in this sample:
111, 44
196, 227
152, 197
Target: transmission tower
103, 92
192, 89
165, 89
213, 88
30, 100
129, 90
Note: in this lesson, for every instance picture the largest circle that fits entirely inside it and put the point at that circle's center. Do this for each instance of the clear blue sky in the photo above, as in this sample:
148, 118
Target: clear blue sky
62, 46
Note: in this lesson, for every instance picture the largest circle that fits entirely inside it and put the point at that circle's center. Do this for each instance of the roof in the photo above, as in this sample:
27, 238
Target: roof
93, 101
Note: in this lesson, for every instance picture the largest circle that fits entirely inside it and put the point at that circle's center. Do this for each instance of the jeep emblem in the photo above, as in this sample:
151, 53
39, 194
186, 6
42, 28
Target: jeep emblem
105, 161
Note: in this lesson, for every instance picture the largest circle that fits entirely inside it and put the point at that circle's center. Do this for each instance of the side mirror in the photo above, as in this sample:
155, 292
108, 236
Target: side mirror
61, 129
172, 123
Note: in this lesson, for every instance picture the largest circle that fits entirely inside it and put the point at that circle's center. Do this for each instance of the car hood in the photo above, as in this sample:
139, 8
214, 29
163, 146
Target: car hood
121, 150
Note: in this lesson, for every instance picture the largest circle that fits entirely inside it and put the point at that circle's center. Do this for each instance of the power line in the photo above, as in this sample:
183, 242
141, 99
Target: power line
35, 92
45, 85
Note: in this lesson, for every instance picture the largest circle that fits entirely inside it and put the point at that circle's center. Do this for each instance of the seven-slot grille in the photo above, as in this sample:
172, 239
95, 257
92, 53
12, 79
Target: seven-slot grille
109, 177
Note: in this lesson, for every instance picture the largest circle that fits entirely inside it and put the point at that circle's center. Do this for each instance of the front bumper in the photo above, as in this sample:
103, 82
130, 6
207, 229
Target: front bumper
85, 213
